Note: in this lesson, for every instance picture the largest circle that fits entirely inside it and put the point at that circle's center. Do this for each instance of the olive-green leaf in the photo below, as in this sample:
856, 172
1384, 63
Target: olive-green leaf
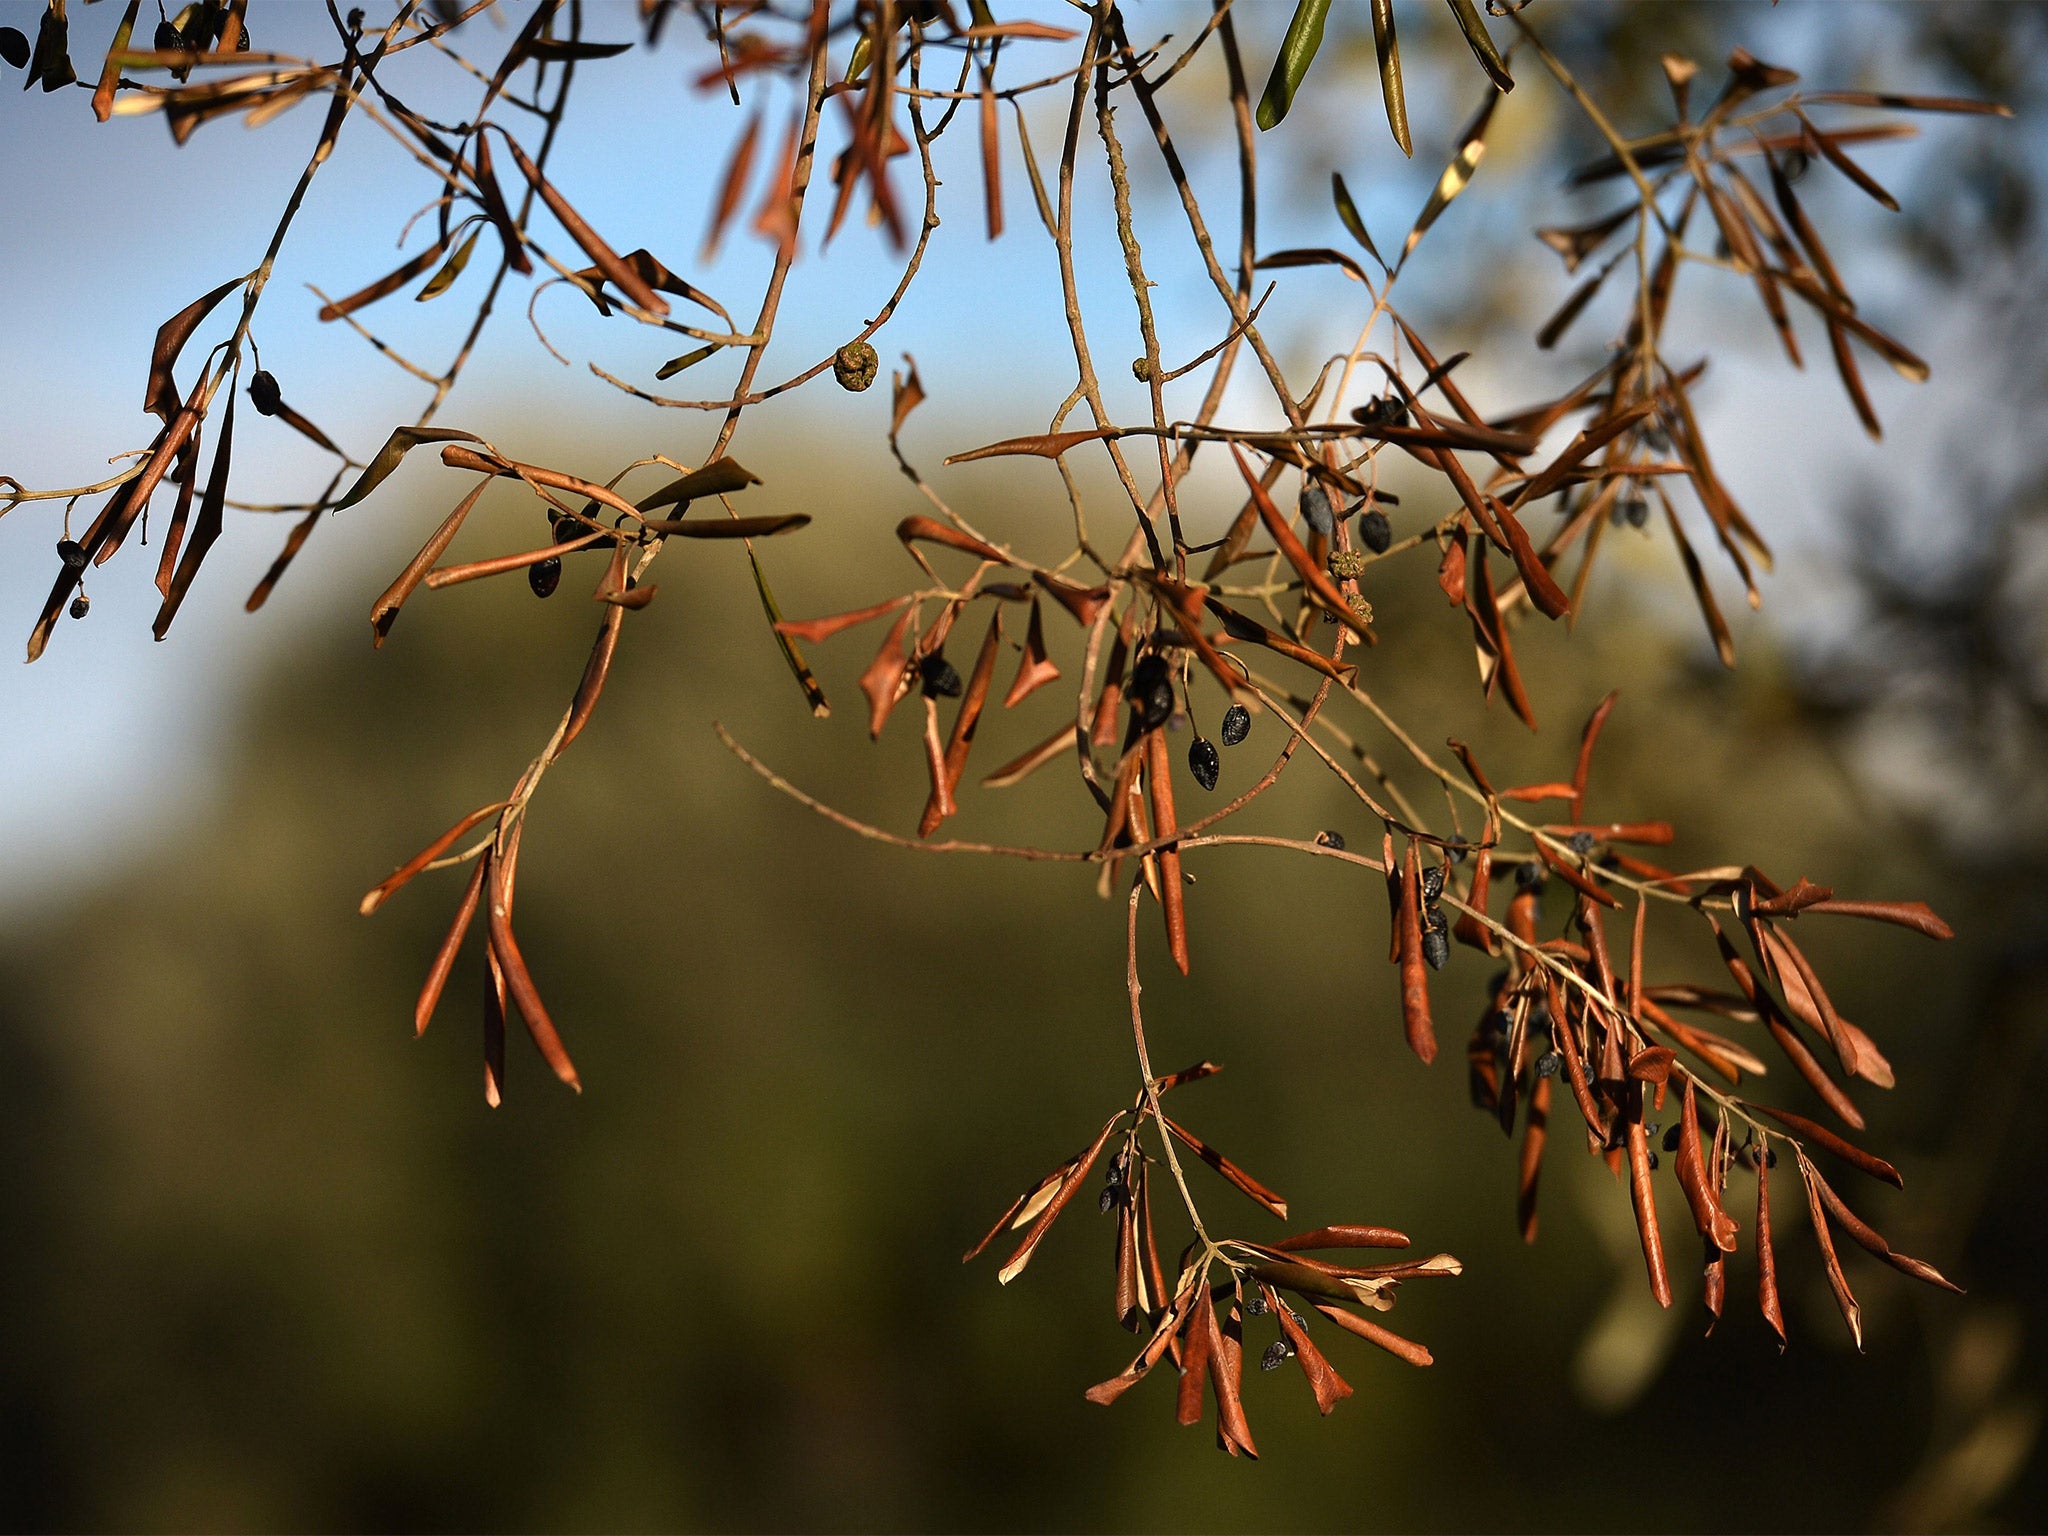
1388, 47
1347, 211
451, 269
395, 448
1474, 28
1457, 175
1297, 52
676, 365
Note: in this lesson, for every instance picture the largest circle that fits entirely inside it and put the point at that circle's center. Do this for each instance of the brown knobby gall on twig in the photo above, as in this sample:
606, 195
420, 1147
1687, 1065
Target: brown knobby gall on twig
1270, 620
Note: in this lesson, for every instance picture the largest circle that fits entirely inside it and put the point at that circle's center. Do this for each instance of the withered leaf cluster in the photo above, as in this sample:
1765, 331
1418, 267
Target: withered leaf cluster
1270, 621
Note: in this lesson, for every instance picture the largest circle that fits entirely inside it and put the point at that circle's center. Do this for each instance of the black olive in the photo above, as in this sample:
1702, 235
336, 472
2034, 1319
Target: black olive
1204, 763
1107, 1200
1375, 532
72, 553
1255, 1304
1432, 883
264, 393
1653, 1162
1636, 512
81, 605
1152, 692
1548, 1064
1315, 509
1330, 838
14, 47
1237, 724
1652, 1127
941, 679
1436, 948
1275, 1356
1582, 842
544, 576
1529, 876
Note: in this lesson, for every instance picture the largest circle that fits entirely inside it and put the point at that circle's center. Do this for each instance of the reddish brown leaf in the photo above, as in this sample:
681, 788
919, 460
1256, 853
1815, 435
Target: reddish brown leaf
1415, 1018
1852, 1314
444, 957
1228, 1169
1644, 1197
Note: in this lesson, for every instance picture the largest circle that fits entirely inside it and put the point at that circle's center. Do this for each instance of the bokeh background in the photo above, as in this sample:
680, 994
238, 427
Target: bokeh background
266, 1262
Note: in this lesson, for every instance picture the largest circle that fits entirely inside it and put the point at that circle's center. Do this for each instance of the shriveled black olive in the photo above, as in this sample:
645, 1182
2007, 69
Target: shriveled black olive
81, 605
1549, 1064
1432, 883
1653, 1162
264, 393
1329, 838
1375, 532
72, 553
1275, 1356
1204, 763
1255, 1304
1152, 691
1529, 876
940, 677
1582, 842
1436, 948
1237, 724
1107, 1200
544, 576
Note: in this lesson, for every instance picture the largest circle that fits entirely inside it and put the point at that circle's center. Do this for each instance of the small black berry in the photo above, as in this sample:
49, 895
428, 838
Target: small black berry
1582, 842
1432, 883
72, 553
1653, 1162
1275, 1356
81, 605
1375, 532
1204, 763
264, 393
1152, 692
1107, 1201
1329, 838
1436, 948
1652, 1127
1529, 876
1315, 509
941, 679
1237, 724
544, 576
1255, 1304
1671, 1138
1549, 1064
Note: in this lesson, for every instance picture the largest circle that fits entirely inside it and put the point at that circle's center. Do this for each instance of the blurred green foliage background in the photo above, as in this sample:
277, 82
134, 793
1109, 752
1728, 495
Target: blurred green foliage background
270, 1264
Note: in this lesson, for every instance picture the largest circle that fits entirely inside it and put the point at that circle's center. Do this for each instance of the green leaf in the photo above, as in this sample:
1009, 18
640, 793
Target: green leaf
1474, 28
395, 448
1457, 175
1297, 52
1347, 211
1388, 46
451, 269
676, 365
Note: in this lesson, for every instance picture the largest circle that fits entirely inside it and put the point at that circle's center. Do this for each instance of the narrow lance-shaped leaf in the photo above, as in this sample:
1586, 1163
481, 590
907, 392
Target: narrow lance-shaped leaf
162, 397
401, 441
1457, 175
451, 269
1387, 45
1297, 52
205, 528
